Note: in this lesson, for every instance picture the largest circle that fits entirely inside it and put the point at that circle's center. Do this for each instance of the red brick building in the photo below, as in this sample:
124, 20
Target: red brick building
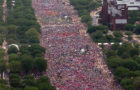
114, 15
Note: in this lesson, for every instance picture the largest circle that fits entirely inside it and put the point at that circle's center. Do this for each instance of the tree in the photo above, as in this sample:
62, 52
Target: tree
127, 84
30, 88
133, 16
122, 72
34, 39
86, 19
115, 62
40, 64
15, 88
128, 33
137, 59
133, 52
13, 57
109, 38
32, 35
27, 63
97, 35
129, 27
137, 29
12, 36
32, 32
111, 53
92, 29
129, 37
2, 53
12, 49
136, 83
43, 79
11, 40
44, 83
45, 86
24, 49
115, 46
137, 73
117, 39
136, 45
36, 49
12, 29
117, 34
3, 82
15, 66
124, 50
29, 81
3, 30
3, 87
1, 39
127, 45
131, 65
102, 28
14, 80
3, 67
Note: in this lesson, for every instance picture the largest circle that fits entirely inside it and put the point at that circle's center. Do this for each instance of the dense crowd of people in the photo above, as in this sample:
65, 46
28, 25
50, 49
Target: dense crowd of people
75, 62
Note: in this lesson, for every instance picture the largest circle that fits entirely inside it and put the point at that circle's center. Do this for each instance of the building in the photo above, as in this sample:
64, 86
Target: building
131, 4
115, 12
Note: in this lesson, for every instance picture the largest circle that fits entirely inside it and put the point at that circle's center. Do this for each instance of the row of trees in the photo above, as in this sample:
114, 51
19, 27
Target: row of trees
133, 28
124, 61
26, 62
26, 29
100, 34
133, 16
28, 82
133, 22
1, 20
29, 60
1, 10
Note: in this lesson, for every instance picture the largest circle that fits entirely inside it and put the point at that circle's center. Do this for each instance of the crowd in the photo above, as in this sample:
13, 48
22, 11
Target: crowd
75, 62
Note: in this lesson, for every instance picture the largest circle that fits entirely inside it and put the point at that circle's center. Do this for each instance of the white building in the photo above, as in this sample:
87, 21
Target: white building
132, 4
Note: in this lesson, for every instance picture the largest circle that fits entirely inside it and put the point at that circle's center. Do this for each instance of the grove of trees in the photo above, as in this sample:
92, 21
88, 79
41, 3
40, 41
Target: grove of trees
26, 65
1, 10
100, 34
124, 61
133, 22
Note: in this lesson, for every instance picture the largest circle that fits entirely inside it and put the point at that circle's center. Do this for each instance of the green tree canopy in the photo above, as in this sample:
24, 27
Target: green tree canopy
127, 84
15, 80
27, 63
30, 88
12, 49
40, 64
15, 66
29, 81
137, 83
36, 49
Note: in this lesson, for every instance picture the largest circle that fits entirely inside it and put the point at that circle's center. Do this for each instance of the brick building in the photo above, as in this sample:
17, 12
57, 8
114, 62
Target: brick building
115, 12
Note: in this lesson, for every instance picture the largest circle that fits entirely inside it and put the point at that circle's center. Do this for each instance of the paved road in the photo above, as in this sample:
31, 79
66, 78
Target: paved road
4, 10
95, 16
